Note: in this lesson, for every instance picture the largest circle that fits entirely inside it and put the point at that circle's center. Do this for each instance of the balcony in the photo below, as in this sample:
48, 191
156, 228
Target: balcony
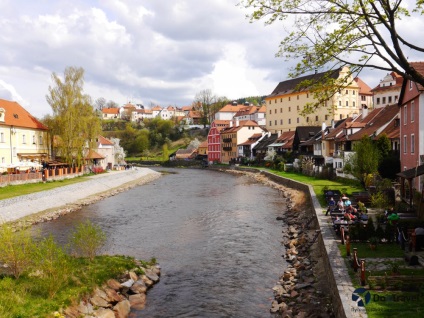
226, 140
227, 148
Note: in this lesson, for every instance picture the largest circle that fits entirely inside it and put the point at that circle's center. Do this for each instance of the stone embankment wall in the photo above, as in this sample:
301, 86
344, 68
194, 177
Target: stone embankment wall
338, 307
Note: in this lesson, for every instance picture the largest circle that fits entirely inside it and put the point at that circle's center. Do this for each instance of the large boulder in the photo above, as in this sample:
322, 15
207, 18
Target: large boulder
122, 309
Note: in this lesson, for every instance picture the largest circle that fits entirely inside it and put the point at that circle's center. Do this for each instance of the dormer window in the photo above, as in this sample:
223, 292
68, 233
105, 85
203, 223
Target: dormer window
2, 114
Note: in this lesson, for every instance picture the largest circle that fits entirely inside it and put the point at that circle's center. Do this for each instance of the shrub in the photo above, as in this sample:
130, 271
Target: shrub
15, 250
52, 266
87, 240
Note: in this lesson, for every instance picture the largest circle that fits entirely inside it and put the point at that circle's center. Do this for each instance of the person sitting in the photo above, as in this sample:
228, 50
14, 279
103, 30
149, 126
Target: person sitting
393, 218
347, 202
340, 204
349, 216
331, 205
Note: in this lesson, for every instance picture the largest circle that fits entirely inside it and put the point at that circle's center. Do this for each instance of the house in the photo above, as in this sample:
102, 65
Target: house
286, 102
262, 147
388, 90
105, 148
365, 94
110, 113
214, 140
23, 139
283, 143
250, 112
233, 135
183, 154
301, 136
229, 111
411, 103
141, 114
202, 150
245, 149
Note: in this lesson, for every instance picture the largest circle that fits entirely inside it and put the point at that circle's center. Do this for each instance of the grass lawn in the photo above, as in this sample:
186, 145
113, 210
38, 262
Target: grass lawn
11, 191
391, 250
320, 184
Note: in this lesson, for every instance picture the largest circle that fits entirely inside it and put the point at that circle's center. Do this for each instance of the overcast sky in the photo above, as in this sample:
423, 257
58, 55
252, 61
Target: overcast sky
153, 51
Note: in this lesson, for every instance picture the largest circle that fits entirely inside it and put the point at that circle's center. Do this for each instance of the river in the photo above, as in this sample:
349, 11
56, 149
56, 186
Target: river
214, 235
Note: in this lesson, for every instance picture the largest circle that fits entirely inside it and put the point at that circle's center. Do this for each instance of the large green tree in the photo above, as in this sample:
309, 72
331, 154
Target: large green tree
331, 34
74, 121
365, 159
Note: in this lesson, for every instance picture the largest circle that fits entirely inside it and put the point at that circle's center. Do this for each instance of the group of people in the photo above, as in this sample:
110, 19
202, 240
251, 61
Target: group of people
345, 206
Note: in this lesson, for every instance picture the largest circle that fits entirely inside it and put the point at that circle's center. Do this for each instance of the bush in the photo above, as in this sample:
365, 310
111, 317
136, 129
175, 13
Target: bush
87, 240
52, 266
15, 250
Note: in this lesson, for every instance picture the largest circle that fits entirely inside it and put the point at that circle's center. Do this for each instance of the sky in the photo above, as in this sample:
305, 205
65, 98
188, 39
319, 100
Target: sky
151, 52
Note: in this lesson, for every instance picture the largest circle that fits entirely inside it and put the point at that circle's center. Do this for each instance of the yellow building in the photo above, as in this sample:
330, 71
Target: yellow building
23, 139
286, 102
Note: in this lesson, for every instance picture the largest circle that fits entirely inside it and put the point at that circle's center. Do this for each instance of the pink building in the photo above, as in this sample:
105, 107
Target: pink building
411, 104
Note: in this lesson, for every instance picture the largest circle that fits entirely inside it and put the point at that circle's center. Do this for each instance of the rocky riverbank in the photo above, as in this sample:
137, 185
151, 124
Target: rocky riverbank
117, 297
302, 290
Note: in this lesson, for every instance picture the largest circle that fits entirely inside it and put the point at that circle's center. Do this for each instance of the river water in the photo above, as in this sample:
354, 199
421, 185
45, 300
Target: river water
214, 235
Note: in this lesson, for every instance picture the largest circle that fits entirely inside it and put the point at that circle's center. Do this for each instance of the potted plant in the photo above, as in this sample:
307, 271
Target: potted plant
373, 241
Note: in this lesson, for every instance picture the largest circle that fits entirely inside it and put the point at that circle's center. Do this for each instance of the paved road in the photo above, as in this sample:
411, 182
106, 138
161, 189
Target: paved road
22, 206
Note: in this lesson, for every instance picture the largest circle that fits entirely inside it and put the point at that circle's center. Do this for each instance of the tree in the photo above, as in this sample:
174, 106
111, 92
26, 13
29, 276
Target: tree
336, 33
365, 159
100, 103
76, 125
208, 104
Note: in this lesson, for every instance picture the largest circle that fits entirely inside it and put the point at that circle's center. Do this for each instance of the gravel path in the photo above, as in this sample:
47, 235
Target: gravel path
22, 206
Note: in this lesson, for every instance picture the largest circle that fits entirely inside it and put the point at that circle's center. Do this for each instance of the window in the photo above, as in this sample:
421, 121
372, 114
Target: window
270, 123
410, 85
1, 137
281, 100
396, 98
412, 111
389, 99
281, 110
347, 92
307, 95
275, 122
275, 111
307, 119
326, 117
289, 109
270, 111
298, 107
275, 101
405, 115
297, 97
378, 100
341, 116
281, 121
297, 120
363, 98
412, 143
340, 103
33, 139
270, 102
24, 139
347, 103
404, 144
353, 104
289, 98
353, 92
316, 118
289, 121
384, 100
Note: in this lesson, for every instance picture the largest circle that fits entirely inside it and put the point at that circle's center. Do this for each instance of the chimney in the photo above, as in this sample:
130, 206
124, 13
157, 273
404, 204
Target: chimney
236, 123
231, 124
323, 128
364, 111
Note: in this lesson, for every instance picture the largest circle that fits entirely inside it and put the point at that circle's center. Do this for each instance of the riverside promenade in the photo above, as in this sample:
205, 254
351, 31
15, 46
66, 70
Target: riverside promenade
26, 205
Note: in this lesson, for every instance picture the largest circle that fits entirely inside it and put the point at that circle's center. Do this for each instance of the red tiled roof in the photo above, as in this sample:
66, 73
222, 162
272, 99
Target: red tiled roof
94, 155
16, 115
231, 108
385, 116
419, 67
112, 111
104, 141
364, 89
